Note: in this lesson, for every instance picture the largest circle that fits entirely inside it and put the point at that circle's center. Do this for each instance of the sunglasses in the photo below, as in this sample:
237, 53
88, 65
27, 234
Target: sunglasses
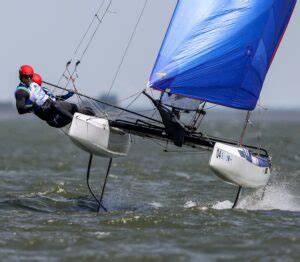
27, 76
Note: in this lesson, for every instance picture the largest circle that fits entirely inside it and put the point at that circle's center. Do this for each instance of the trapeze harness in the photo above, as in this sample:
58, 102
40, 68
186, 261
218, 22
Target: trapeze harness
37, 100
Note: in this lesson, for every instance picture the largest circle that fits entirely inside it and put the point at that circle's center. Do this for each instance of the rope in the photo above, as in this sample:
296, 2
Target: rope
127, 48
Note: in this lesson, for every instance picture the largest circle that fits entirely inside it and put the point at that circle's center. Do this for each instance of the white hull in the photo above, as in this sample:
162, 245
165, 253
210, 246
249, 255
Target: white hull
95, 136
237, 166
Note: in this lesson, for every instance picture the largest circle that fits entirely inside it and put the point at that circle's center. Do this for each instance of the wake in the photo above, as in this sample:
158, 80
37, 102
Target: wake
277, 196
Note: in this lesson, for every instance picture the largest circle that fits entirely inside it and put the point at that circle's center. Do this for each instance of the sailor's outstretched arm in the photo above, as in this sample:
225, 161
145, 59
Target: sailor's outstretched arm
21, 97
65, 97
61, 97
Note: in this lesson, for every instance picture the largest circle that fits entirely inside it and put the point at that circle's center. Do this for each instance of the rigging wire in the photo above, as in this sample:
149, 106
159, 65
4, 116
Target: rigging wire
89, 27
81, 42
164, 146
70, 77
147, 110
100, 20
214, 106
156, 111
127, 98
198, 117
247, 121
127, 48
131, 103
157, 143
259, 126
104, 103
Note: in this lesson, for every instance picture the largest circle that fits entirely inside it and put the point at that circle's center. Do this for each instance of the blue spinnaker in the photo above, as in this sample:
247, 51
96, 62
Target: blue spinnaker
220, 51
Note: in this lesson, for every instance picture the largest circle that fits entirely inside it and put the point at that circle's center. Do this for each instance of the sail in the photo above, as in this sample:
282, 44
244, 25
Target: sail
220, 51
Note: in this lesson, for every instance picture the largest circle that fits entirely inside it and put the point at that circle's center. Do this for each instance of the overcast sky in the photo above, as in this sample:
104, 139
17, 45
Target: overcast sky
45, 34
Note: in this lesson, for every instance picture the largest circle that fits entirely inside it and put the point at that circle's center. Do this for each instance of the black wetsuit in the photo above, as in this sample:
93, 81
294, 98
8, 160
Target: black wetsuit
56, 113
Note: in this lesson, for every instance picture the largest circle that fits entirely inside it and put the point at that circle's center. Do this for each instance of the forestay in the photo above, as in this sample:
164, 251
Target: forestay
219, 51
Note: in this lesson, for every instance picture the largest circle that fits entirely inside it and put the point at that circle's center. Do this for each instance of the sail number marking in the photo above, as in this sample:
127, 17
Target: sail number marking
222, 155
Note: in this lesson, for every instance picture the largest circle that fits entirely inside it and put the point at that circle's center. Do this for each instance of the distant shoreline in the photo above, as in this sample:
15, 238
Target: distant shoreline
9, 112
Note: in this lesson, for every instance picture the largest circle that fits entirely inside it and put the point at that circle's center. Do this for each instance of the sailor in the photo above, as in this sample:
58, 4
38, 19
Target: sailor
36, 78
32, 98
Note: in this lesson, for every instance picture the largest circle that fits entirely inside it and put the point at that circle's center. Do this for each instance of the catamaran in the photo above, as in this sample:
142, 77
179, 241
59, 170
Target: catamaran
214, 52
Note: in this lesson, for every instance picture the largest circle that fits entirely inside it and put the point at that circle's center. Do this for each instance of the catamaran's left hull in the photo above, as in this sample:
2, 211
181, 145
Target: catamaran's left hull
95, 136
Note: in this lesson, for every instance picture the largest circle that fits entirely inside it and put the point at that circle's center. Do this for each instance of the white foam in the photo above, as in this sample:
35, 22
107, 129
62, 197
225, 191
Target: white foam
156, 205
183, 175
222, 205
276, 196
60, 190
101, 235
190, 204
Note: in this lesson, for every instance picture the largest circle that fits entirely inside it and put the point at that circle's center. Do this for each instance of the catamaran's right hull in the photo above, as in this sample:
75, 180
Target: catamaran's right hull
236, 165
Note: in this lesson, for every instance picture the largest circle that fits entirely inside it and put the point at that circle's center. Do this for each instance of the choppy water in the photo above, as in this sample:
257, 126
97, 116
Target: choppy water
162, 206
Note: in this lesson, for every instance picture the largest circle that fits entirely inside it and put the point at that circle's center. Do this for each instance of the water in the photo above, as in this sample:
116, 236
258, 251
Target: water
162, 206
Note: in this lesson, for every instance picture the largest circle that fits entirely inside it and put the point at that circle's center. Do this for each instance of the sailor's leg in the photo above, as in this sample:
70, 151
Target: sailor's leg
53, 123
59, 122
62, 114
46, 111
237, 197
65, 109
86, 111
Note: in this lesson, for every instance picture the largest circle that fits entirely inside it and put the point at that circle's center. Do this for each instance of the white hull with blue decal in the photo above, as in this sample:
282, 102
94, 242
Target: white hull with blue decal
237, 165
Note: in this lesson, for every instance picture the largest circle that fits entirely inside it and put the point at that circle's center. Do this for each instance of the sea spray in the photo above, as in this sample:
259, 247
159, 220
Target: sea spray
277, 195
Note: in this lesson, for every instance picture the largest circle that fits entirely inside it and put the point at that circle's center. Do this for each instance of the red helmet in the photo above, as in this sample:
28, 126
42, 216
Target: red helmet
26, 70
37, 79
